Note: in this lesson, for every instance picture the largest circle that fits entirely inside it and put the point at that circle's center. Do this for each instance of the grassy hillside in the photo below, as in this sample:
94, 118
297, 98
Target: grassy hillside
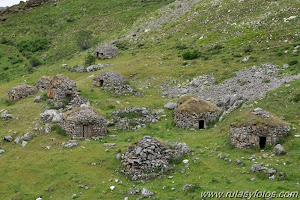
222, 32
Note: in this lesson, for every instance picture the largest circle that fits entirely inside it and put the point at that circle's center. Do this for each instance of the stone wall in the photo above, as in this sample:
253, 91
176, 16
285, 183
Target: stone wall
191, 120
43, 83
61, 87
248, 136
109, 79
74, 121
20, 91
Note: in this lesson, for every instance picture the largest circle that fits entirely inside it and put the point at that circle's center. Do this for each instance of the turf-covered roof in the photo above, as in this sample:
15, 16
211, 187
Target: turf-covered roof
193, 104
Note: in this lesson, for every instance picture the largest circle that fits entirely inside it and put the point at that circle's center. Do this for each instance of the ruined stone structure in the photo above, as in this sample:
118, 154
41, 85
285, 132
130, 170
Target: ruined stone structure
84, 121
109, 79
261, 128
106, 52
193, 112
43, 83
61, 87
149, 157
20, 91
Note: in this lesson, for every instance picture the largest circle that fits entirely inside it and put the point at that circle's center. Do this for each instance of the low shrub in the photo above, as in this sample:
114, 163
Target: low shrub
190, 55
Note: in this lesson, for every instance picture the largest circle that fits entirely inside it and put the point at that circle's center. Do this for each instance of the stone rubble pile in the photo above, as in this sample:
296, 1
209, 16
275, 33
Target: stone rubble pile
20, 91
150, 158
134, 118
81, 69
6, 116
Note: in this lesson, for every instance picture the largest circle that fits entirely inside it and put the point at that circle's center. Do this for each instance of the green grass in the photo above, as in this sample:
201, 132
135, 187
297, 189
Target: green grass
31, 171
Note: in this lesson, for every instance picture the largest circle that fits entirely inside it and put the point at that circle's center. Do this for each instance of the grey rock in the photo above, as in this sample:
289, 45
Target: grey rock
252, 179
170, 105
279, 150
6, 116
8, 138
109, 144
74, 196
27, 137
24, 143
118, 156
51, 116
38, 99
146, 193
2, 151
257, 167
18, 140
246, 59
71, 144
47, 128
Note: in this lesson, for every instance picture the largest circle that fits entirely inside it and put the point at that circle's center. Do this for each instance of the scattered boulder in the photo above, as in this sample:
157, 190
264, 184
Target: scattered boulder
150, 157
18, 140
257, 167
47, 128
20, 91
51, 116
2, 151
71, 144
279, 150
81, 69
38, 99
6, 116
146, 193
8, 138
170, 105
106, 52
24, 143
27, 137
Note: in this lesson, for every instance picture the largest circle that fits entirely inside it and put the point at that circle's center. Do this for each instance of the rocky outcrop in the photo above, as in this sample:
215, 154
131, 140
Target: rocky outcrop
20, 91
150, 158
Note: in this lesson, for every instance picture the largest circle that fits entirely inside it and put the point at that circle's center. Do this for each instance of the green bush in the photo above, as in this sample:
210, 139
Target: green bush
293, 62
6, 41
84, 39
190, 55
58, 130
34, 62
89, 60
248, 49
33, 45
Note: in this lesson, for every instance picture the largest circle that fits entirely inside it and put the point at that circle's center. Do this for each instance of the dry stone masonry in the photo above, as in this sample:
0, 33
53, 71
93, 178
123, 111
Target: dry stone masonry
261, 129
113, 81
149, 158
43, 83
193, 112
20, 91
84, 121
61, 87
106, 52
81, 69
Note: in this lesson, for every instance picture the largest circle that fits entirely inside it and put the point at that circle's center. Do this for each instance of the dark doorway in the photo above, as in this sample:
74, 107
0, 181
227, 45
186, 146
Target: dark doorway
85, 131
97, 54
201, 124
101, 83
262, 142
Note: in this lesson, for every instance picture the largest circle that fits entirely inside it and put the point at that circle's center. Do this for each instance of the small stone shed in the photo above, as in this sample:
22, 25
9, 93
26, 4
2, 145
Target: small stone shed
20, 91
257, 129
43, 83
109, 79
106, 52
193, 112
61, 87
83, 122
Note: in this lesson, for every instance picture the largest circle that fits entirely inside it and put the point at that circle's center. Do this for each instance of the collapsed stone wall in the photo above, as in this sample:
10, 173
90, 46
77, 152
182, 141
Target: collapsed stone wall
149, 158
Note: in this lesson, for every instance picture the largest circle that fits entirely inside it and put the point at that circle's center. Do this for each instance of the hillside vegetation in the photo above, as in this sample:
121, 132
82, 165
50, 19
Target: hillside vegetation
162, 43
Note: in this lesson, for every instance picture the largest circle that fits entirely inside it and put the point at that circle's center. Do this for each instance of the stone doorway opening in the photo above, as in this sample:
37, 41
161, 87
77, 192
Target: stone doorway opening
85, 131
101, 83
201, 124
262, 142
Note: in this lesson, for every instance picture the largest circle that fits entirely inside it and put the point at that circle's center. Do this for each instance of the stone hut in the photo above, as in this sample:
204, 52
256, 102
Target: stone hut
61, 87
20, 91
43, 83
106, 52
109, 79
257, 129
193, 112
84, 121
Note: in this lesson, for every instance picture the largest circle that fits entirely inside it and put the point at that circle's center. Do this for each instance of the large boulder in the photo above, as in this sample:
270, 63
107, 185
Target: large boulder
51, 116
279, 150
